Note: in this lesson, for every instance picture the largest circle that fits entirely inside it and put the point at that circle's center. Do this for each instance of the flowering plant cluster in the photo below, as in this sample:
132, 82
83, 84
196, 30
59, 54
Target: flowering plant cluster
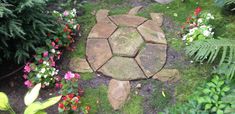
71, 94
43, 69
198, 26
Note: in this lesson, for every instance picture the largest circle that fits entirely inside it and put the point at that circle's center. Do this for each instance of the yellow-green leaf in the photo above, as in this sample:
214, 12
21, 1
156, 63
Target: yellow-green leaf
32, 94
51, 102
4, 103
33, 108
41, 112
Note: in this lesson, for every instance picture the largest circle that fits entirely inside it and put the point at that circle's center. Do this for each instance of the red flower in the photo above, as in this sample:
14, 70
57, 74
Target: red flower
48, 34
61, 105
74, 108
71, 96
78, 97
64, 98
40, 61
57, 40
197, 11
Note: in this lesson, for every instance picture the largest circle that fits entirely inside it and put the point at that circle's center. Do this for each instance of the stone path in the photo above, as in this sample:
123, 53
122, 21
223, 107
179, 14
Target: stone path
127, 47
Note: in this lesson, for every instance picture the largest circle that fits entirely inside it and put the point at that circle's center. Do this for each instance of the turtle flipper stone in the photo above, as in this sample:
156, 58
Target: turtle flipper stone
135, 10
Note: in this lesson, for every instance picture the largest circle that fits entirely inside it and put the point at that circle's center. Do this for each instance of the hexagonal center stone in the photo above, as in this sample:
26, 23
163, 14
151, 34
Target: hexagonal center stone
126, 41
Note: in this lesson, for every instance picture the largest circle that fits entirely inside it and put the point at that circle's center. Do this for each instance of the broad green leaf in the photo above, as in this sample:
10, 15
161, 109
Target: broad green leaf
206, 91
33, 108
41, 112
32, 94
4, 103
219, 112
50, 102
226, 88
208, 106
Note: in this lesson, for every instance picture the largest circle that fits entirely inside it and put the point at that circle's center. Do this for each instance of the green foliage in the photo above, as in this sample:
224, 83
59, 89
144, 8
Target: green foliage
212, 49
23, 26
211, 96
230, 98
4, 103
229, 4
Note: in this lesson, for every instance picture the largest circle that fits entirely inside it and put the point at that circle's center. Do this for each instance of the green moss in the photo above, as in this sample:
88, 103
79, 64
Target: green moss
86, 76
134, 105
120, 10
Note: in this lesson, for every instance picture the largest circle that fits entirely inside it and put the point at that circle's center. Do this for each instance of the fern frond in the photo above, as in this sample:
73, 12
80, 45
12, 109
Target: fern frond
212, 49
209, 49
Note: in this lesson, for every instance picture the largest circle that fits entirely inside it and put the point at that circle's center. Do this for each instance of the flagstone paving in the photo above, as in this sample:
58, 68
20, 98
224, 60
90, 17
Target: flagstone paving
127, 47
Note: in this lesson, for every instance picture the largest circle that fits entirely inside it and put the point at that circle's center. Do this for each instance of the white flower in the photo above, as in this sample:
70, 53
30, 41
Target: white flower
44, 62
53, 50
43, 70
184, 37
75, 26
74, 10
199, 20
206, 33
53, 73
46, 83
45, 76
38, 76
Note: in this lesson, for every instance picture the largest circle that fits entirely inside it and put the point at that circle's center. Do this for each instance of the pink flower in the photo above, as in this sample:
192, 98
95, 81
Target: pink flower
76, 75
69, 75
27, 68
45, 54
25, 76
57, 85
66, 13
52, 61
53, 44
28, 83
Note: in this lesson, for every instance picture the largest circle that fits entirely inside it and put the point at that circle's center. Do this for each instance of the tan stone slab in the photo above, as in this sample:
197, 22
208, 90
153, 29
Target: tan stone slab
98, 52
126, 41
152, 58
151, 32
102, 30
135, 10
127, 20
102, 15
77, 64
167, 75
122, 68
157, 18
118, 93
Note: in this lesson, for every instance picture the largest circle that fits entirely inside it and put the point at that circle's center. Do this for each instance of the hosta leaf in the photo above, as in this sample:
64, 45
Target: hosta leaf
50, 102
33, 108
41, 112
4, 103
32, 94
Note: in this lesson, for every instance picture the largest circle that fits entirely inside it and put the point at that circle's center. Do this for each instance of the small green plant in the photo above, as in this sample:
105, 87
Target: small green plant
212, 94
33, 107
